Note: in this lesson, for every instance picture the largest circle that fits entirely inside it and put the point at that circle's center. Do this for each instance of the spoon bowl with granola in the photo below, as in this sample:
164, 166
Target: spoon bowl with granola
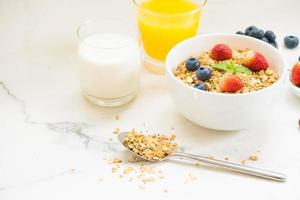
225, 81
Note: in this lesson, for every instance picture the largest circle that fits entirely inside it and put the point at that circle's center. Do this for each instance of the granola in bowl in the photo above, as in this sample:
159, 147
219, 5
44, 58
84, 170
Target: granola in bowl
226, 70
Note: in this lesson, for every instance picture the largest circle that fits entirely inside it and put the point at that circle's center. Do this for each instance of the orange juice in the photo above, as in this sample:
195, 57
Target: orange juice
164, 23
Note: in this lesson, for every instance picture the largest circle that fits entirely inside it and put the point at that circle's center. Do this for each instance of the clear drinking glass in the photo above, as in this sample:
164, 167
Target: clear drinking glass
110, 61
164, 23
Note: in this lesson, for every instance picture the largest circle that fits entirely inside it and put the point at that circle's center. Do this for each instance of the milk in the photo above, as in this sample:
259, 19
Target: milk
110, 66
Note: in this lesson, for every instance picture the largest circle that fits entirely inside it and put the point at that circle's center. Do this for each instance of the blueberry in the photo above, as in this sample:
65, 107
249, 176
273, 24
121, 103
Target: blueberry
192, 64
240, 33
257, 33
203, 73
274, 44
201, 86
291, 41
265, 39
270, 35
250, 28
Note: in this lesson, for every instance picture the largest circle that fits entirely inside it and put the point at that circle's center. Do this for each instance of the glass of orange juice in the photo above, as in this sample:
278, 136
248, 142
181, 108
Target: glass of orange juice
164, 23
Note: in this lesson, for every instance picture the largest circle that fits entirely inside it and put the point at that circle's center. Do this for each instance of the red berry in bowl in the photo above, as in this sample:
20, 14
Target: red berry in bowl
231, 83
295, 77
221, 52
256, 61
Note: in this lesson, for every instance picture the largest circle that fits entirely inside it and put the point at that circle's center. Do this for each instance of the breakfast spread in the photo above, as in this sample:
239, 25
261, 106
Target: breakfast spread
226, 70
113, 56
220, 83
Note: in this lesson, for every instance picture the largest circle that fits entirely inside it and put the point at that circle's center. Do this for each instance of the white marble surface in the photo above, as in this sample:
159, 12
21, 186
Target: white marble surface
52, 141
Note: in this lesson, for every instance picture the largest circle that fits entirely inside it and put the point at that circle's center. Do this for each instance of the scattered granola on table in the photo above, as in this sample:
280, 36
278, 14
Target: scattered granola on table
191, 177
253, 157
116, 160
128, 170
222, 70
243, 162
116, 131
150, 147
133, 169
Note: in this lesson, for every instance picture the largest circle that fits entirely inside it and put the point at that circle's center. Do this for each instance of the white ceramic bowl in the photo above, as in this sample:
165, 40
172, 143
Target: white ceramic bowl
216, 110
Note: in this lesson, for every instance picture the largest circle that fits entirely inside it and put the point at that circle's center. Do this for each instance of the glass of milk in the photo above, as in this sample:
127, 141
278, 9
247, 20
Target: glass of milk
110, 61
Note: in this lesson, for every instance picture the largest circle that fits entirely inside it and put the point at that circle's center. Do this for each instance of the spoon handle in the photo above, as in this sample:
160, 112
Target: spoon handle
234, 167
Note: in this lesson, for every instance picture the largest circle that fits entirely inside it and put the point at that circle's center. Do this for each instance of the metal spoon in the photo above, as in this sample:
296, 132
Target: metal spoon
220, 163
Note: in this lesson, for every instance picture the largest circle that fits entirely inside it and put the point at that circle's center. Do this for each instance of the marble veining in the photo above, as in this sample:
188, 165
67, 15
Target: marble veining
17, 100
76, 128
71, 127
64, 127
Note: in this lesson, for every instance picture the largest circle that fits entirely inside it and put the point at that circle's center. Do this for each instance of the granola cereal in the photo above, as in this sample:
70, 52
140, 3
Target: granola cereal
253, 157
257, 80
116, 160
151, 147
116, 131
128, 170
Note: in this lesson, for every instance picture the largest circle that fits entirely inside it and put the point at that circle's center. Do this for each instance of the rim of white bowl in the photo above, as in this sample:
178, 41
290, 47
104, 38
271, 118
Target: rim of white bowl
281, 78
